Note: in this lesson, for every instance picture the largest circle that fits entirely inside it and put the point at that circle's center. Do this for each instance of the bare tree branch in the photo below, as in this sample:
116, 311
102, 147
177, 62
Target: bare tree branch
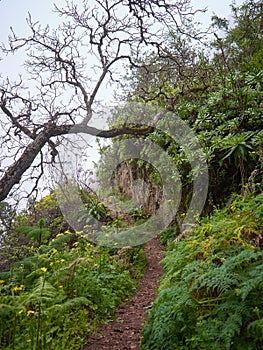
67, 68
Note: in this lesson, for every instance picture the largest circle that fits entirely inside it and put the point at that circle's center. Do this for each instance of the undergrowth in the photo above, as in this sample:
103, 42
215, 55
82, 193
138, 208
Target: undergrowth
54, 298
210, 296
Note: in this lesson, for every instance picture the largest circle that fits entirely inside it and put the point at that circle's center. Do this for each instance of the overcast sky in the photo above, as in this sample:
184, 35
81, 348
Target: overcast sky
15, 12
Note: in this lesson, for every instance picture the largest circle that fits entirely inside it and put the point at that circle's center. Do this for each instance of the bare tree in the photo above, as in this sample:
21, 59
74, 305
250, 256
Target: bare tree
67, 67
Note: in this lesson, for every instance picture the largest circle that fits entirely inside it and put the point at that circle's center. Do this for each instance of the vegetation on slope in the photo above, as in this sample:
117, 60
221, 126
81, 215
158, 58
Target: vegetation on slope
61, 285
217, 90
210, 296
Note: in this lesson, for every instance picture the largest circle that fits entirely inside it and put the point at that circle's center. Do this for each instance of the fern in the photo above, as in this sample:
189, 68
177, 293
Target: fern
254, 282
61, 241
68, 305
38, 234
210, 296
255, 329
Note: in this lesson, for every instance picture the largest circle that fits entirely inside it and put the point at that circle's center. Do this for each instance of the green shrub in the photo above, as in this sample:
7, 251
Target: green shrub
55, 298
210, 296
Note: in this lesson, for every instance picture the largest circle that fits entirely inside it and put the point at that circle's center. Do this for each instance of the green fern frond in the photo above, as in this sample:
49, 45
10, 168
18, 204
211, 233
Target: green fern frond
61, 241
255, 329
42, 292
70, 304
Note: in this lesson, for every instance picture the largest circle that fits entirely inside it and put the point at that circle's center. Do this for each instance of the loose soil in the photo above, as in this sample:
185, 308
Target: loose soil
124, 333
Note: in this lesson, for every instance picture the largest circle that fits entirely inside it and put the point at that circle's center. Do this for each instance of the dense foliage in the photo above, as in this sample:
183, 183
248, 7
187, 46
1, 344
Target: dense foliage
218, 90
210, 296
60, 286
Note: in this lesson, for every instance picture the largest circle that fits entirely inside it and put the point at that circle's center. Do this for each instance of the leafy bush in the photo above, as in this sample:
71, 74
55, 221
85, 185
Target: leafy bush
55, 297
211, 294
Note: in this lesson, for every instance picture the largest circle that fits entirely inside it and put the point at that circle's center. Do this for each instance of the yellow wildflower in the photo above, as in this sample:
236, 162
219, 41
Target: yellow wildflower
20, 311
30, 312
43, 269
2, 281
51, 263
60, 287
60, 235
16, 288
60, 261
75, 244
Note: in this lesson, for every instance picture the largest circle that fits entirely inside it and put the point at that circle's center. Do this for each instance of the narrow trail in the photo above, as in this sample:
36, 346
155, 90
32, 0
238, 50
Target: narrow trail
124, 333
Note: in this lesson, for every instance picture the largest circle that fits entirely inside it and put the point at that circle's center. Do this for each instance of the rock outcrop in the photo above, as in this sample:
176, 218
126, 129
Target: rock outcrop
140, 182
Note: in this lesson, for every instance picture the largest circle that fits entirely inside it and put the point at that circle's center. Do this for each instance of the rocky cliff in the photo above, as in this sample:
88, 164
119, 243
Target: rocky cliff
140, 182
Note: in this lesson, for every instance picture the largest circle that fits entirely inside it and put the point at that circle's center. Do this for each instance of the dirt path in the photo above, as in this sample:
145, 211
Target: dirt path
124, 333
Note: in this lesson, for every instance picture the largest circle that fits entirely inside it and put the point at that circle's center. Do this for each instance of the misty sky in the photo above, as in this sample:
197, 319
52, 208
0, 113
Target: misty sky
14, 12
